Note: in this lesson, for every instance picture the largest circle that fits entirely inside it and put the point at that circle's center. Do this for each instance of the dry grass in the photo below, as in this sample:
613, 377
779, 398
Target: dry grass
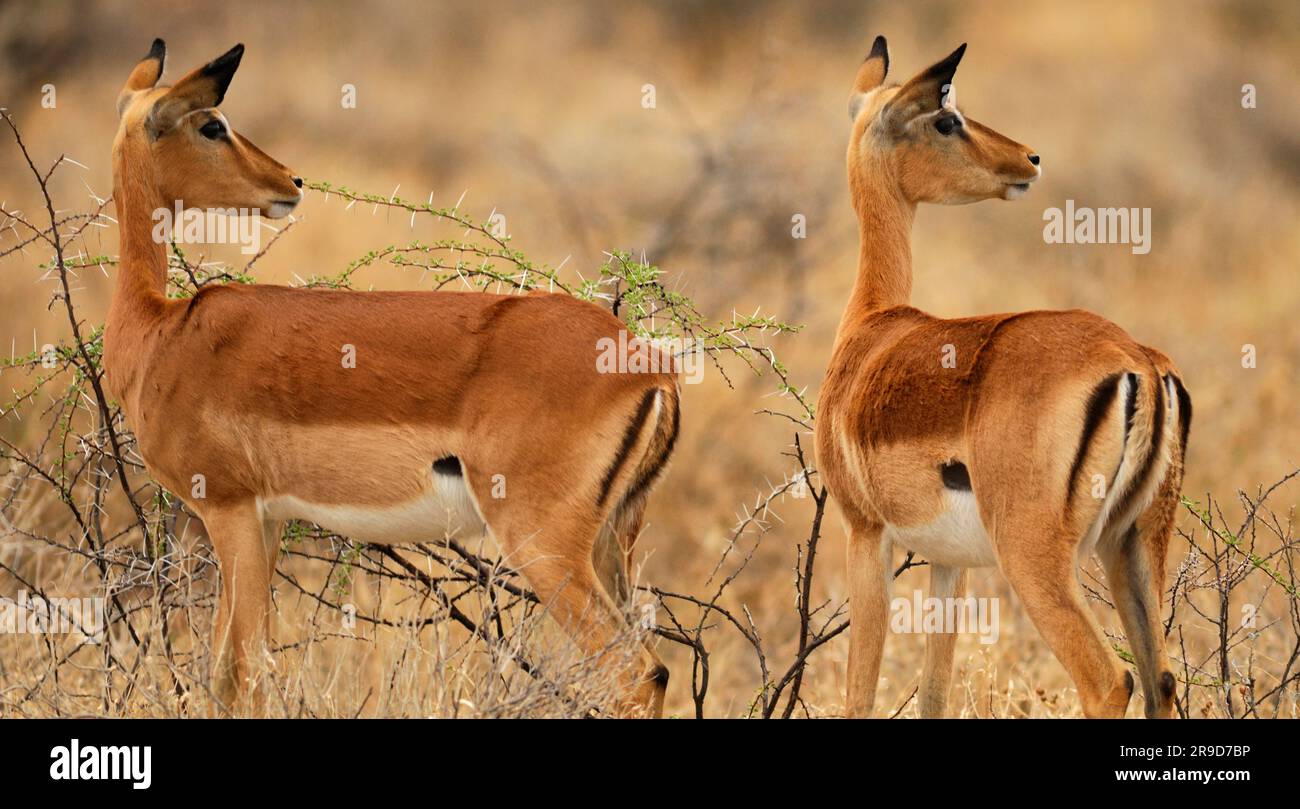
537, 112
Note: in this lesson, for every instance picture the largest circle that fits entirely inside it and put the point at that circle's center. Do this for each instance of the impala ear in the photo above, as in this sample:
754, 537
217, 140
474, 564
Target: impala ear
870, 76
199, 89
144, 76
928, 91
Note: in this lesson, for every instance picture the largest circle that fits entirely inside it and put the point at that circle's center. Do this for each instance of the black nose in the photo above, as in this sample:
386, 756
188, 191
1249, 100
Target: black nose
1033, 158
298, 180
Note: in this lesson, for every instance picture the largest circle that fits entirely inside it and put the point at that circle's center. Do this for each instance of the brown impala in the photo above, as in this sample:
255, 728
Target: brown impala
461, 412
1027, 441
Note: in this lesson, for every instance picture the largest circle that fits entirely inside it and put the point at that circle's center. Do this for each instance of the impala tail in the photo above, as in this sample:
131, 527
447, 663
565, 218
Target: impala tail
1153, 412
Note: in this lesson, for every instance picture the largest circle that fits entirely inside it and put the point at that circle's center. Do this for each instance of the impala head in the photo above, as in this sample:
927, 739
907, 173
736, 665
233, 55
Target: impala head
197, 158
913, 138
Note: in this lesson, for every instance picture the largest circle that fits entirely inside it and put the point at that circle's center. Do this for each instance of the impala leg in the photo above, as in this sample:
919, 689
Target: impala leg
612, 563
612, 558
272, 530
627, 528
612, 555
870, 578
1128, 572
239, 538
936, 674
1135, 572
1048, 586
558, 565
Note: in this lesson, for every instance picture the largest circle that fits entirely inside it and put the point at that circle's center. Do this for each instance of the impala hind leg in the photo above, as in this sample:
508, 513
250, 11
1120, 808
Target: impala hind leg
870, 577
557, 561
243, 613
618, 581
1042, 572
612, 554
1135, 563
936, 674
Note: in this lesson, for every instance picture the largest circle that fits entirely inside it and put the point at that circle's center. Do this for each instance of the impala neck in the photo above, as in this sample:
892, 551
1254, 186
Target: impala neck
142, 261
885, 250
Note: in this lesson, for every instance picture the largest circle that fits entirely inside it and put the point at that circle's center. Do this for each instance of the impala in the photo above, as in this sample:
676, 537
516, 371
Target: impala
1028, 441
460, 413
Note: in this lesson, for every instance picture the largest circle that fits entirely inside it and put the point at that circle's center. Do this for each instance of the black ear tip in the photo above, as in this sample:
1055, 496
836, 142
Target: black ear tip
158, 50
222, 69
226, 62
948, 65
879, 50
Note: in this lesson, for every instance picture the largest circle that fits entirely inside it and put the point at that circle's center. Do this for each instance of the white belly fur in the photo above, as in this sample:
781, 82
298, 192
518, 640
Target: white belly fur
955, 538
447, 510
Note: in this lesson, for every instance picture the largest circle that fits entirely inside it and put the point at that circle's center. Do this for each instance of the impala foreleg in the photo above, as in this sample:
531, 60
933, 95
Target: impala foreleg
243, 614
272, 531
870, 576
936, 674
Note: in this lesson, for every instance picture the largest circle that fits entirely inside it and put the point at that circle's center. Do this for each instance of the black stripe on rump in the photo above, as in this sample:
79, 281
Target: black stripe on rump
629, 439
1130, 406
1184, 413
650, 470
1098, 406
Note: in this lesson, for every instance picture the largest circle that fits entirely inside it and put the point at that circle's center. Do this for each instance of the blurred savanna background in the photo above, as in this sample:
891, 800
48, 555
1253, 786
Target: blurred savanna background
542, 113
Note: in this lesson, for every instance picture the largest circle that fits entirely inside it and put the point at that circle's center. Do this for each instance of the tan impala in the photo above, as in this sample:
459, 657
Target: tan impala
1028, 441
461, 412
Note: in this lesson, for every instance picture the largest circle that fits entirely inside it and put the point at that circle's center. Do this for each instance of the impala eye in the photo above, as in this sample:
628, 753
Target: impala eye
947, 124
213, 129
